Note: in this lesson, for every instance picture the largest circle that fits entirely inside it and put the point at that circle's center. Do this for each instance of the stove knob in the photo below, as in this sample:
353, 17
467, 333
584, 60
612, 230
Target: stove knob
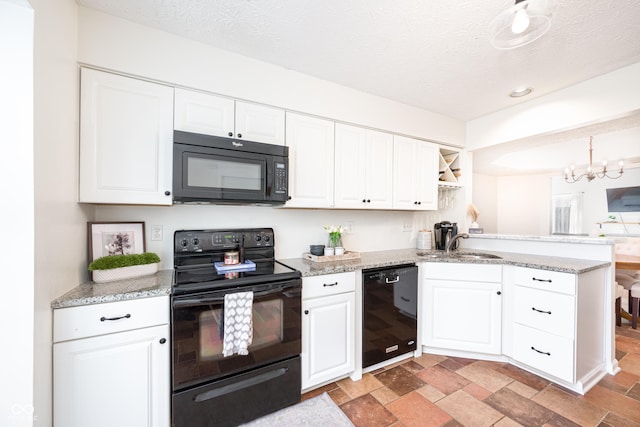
183, 243
267, 238
195, 241
258, 238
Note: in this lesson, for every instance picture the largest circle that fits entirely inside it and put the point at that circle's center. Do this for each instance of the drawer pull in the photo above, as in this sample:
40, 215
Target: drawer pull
540, 311
330, 284
542, 280
126, 316
405, 299
541, 352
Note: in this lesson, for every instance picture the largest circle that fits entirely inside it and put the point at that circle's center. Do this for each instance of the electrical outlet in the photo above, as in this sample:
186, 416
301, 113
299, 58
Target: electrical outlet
156, 232
407, 227
349, 227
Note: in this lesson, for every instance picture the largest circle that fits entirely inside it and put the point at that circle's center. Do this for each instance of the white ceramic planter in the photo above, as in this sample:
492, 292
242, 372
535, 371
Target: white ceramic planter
101, 276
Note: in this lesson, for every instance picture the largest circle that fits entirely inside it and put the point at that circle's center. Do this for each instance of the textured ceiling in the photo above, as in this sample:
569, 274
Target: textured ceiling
432, 54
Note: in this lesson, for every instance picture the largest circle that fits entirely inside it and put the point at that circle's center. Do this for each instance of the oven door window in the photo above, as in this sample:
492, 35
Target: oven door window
267, 328
198, 330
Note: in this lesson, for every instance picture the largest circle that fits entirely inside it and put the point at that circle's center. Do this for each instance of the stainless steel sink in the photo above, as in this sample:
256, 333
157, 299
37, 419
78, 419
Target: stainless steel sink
458, 255
475, 256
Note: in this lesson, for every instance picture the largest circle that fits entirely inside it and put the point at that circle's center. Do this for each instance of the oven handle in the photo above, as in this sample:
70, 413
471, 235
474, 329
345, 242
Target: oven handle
249, 382
187, 302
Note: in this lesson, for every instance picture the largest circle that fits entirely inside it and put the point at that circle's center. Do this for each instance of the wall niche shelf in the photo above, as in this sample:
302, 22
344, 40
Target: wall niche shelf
449, 168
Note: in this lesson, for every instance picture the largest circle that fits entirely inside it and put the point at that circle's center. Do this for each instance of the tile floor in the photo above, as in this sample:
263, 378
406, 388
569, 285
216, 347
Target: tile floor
448, 391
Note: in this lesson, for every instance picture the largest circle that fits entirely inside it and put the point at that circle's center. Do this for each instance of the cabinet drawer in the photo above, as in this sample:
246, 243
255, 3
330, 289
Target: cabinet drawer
547, 311
460, 271
328, 284
546, 352
92, 320
546, 280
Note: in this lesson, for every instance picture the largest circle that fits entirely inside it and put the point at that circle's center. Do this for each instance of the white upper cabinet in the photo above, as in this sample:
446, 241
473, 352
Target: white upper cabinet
219, 116
311, 154
415, 174
259, 123
364, 168
126, 139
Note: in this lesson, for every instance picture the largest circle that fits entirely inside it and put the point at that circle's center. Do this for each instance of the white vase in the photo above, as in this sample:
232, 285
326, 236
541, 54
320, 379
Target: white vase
101, 276
339, 250
328, 251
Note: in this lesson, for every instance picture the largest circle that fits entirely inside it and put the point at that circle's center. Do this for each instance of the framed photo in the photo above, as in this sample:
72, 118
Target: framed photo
115, 238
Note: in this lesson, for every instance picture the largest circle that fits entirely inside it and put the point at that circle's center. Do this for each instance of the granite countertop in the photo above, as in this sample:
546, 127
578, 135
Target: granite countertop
555, 239
158, 284
406, 256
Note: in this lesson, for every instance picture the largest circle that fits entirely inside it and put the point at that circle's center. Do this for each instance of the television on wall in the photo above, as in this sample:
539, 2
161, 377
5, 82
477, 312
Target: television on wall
625, 199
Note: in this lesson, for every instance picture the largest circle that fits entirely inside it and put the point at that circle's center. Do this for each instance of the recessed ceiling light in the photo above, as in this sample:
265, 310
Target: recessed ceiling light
517, 93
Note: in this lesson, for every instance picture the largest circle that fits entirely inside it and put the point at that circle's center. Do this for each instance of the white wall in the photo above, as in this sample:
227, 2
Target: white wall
117, 44
295, 229
595, 203
60, 222
524, 205
16, 175
485, 198
602, 98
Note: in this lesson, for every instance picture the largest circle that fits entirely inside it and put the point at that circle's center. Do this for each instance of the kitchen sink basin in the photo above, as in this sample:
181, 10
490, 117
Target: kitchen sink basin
458, 255
474, 256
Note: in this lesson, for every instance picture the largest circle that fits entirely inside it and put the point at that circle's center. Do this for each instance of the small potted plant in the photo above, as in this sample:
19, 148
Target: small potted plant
334, 245
119, 267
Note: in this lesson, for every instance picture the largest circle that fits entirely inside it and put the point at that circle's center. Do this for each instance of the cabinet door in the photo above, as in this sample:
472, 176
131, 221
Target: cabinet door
404, 174
203, 113
120, 379
427, 167
311, 148
259, 123
462, 315
364, 161
327, 338
415, 174
126, 139
379, 171
350, 167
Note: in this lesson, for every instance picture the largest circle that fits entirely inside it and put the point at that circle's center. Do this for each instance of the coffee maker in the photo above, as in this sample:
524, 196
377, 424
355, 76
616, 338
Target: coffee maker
443, 232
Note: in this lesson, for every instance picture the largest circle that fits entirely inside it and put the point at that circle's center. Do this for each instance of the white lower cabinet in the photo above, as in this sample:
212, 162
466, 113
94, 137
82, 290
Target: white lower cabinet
328, 328
119, 376
558, 323
462, 307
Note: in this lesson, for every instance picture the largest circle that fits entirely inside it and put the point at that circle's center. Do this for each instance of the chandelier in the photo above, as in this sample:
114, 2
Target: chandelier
570, 173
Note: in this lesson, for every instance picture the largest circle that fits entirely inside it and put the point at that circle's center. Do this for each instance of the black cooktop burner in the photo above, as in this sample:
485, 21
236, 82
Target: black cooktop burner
197, 251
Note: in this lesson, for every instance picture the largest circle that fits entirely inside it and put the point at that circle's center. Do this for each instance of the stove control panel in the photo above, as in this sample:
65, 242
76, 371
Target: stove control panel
195, 241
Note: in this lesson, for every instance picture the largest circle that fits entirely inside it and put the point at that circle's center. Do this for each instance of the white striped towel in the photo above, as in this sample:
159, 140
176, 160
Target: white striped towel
238, 323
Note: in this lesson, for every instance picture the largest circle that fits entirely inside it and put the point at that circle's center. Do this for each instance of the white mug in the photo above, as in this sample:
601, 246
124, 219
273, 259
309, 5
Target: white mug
328, 251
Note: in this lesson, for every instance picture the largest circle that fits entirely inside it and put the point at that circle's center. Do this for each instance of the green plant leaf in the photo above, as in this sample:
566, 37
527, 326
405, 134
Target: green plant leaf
119, 261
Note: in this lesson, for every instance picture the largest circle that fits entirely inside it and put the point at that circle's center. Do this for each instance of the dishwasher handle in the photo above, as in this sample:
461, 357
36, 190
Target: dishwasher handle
391, 282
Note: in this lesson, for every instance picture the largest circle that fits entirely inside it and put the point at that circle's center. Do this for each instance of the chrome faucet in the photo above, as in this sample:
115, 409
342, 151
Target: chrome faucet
451, 242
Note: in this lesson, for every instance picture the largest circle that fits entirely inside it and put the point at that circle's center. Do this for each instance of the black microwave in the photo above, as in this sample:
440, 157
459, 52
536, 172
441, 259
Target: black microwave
212, 169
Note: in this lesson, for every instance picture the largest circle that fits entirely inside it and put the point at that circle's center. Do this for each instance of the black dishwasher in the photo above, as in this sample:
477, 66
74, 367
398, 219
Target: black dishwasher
390, 306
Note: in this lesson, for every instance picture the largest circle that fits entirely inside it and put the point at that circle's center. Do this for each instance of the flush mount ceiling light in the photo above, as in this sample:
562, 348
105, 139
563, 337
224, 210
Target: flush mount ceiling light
517, 93
522, 23
570, 174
